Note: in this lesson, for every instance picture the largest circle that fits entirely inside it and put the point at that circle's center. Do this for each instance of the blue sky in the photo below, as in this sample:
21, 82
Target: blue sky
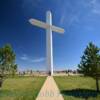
79, 18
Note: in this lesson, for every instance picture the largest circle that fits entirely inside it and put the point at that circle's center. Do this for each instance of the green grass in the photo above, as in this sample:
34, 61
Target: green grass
77, 88
21, 88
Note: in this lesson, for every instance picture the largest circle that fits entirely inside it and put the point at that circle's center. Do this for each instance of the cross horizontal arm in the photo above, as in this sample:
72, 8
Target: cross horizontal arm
46, 26
57, 29
39, 23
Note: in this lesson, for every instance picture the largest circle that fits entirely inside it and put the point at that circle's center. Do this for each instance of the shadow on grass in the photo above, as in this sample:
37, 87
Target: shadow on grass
5, 93
81, 93
12, 93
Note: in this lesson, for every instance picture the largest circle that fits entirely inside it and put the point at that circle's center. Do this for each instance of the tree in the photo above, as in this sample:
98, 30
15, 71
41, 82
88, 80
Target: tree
13, 69
7, 56
7, 59
90, 63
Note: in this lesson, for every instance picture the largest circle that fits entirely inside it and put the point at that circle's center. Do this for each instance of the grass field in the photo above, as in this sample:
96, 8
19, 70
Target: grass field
77, 88
21, 88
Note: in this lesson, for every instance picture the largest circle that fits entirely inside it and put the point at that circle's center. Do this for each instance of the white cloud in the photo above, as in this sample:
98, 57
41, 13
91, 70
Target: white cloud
24, 57
93, 2
62, 19
68, 17
74, 18
95, 6
63, 13
38, 60
28, 59
96, 11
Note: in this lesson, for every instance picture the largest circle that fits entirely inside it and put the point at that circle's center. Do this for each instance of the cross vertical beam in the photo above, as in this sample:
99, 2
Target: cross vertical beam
49, 47
49, 28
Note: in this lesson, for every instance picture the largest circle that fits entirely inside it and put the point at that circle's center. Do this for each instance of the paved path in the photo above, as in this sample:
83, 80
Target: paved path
49, 91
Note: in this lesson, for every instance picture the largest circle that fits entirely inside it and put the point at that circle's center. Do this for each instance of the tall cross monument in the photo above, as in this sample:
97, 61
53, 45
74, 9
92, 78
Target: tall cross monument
49, 28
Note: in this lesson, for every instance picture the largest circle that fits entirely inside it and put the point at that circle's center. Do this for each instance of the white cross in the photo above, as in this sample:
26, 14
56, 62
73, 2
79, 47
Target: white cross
49, 28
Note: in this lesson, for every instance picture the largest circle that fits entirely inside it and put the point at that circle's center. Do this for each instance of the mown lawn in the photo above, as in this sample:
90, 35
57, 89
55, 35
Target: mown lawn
77, 88
21, 88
